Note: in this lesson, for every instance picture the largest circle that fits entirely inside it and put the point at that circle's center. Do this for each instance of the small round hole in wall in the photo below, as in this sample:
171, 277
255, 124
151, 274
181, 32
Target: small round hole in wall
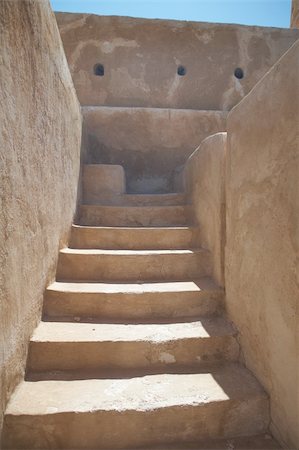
239, 73
98, 69
181, 71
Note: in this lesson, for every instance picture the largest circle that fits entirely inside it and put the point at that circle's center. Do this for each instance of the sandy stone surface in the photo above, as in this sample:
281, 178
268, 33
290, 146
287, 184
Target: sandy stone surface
102, 180
91, 346
172, 113
130, 238
260, 442
204, 182
140, 411
40, 127
141, 58
147, 302
150, 143
295, 14
261, 269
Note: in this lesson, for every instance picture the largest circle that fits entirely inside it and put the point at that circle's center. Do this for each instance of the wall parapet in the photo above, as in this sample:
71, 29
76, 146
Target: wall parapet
204, 183
261, 255
124, 61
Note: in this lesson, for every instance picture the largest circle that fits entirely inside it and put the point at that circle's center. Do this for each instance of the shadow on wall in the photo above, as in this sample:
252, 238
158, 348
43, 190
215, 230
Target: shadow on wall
149, 143
152, 90
40, 127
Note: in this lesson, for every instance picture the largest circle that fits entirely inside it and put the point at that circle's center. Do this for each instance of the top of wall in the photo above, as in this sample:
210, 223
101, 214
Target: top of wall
141, 58
295, 14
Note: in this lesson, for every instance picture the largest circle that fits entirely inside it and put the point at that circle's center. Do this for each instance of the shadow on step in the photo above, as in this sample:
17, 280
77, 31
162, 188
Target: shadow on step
260, 442
101, 374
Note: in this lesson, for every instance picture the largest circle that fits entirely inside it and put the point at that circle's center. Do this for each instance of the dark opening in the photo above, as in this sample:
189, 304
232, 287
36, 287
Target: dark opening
239, 73
98, 69
181, 71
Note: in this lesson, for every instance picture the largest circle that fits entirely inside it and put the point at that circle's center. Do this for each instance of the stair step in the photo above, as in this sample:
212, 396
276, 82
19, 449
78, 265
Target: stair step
134, 216
259, 442
102, 179
142, 411
147, 301
71, 346
134, 238
132, 265
169, 199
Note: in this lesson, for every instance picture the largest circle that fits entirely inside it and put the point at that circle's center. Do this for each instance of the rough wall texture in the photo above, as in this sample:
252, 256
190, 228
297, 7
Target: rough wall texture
40, 128
141, 58
295, 14
261, 265
149, 143
204, 182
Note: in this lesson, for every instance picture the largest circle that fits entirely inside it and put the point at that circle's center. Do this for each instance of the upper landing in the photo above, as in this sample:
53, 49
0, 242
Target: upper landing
122, 61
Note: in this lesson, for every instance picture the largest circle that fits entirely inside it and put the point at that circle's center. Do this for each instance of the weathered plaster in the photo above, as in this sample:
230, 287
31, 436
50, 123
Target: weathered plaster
102, 181
151, 144
204, 182
40, 126
261, 260
141, 58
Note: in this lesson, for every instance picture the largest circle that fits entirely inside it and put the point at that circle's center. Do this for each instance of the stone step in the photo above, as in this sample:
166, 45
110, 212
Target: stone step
102, 179
134, 238
132, 265
134, 216
169, 199
88, 346
259, 442
142, 411
131, 302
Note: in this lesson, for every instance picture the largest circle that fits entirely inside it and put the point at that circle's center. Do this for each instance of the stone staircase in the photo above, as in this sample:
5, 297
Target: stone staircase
134, 350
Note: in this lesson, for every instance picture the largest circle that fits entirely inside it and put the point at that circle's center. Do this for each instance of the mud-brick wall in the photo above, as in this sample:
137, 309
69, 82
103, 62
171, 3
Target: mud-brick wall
151, 144
40, 130
139, 112
262, 226
122, 61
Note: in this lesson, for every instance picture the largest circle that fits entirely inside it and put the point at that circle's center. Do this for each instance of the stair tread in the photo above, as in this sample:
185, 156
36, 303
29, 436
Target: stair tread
79, 251
132, 265
136, 229
141, 215
91, 195
202, 284
156, 195
118, 332
260, 442
151, 392
135, 237
148, 197
138, 207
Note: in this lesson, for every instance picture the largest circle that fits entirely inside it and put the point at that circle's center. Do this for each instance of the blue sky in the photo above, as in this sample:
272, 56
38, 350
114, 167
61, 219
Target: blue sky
274, 13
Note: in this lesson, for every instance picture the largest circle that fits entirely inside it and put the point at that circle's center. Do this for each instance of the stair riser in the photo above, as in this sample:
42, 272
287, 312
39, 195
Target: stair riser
47, 356
90, 267
133, 200
128, 306
134, 239
134, 216
128, 429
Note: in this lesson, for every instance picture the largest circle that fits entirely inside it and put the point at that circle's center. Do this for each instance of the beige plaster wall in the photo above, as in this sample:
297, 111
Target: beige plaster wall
151, 144
261, 258
295, 14
141, 57
40, 128
204, 182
